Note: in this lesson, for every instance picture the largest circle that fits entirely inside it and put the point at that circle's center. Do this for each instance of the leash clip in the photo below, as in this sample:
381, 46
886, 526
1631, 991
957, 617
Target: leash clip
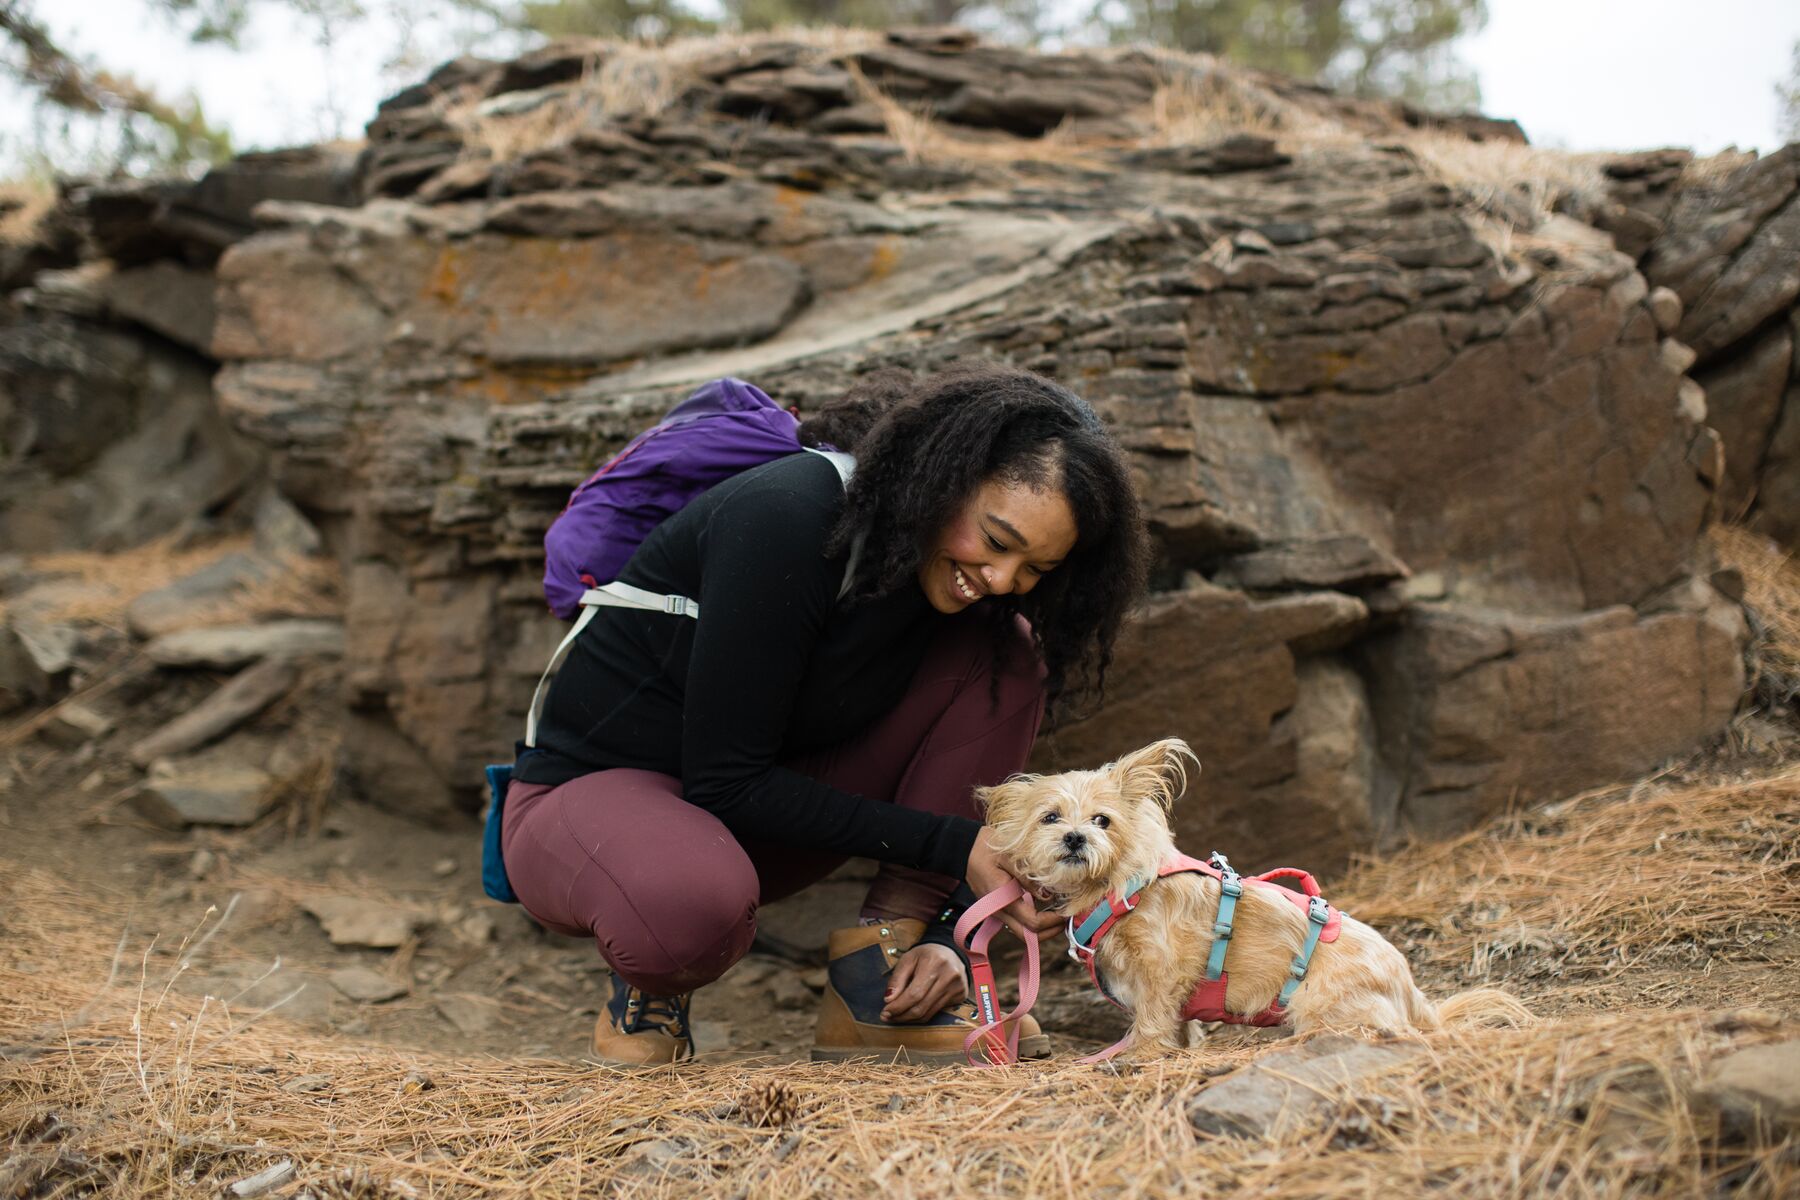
1076, 949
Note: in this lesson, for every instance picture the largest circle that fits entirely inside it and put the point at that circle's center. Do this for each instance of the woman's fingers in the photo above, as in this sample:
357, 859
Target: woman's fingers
924, 980
1026, 921
897, 985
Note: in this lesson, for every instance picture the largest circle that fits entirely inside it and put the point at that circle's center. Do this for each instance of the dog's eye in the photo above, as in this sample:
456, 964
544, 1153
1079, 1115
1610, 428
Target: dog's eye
1102, 821
1049, 818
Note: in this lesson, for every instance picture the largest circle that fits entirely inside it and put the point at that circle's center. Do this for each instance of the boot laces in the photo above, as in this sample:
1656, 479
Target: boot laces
667, 1013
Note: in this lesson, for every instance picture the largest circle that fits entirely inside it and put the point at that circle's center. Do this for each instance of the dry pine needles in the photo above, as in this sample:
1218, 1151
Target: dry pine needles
126, 1088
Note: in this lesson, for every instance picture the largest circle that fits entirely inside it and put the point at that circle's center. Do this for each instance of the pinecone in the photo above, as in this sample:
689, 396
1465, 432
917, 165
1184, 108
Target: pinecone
770, 1105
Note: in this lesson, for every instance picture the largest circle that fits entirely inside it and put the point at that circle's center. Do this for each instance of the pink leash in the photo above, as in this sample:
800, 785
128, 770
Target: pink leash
998, 1048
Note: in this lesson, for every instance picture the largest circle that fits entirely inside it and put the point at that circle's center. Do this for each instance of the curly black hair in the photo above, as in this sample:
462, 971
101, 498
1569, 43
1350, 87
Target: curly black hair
923, 447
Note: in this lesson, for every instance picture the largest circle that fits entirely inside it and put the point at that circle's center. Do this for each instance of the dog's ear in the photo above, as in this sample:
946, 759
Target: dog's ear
998, 803
1158, 773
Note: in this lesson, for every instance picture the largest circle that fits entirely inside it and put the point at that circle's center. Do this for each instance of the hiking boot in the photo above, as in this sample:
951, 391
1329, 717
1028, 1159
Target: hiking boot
642, 1031
850, 1024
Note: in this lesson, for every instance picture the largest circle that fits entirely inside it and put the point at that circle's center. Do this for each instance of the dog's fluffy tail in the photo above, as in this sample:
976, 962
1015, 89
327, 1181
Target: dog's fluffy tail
1477, 1006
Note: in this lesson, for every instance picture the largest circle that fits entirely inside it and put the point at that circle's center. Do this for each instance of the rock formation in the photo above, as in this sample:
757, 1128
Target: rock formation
1731, 253
1424, 465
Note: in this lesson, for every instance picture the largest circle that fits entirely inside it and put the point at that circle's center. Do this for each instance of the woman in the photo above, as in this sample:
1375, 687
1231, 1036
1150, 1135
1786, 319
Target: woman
687, 771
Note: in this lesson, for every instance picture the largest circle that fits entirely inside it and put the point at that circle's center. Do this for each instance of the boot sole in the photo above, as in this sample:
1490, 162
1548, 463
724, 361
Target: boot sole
1029, 1048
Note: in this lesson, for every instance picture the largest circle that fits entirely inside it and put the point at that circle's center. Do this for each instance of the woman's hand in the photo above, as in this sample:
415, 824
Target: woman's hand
927, 979
988, 870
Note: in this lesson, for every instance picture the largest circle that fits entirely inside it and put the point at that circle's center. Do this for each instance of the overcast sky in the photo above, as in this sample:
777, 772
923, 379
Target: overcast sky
1577, 74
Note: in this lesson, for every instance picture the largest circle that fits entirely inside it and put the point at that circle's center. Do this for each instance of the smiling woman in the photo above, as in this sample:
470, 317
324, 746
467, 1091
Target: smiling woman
867, 657
1005, 539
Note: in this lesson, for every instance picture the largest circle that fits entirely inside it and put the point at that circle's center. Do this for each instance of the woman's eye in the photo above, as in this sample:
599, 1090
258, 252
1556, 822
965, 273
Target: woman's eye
995, 543
1049, 819
1102, 821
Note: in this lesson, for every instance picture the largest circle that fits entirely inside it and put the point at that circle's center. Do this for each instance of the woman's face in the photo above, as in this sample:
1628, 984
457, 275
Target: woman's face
1005, 539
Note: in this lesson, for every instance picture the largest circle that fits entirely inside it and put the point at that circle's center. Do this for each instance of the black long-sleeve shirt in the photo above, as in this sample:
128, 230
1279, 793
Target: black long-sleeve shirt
774, 666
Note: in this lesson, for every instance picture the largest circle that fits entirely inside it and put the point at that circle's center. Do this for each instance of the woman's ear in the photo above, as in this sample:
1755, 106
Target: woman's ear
1158, 773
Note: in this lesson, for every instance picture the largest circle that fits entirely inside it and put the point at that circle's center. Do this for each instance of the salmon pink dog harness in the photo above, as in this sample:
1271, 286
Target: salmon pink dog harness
996, 1032
1323, 923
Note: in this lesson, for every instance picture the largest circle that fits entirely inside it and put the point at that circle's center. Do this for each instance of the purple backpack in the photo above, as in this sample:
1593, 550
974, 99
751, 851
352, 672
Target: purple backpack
725, 427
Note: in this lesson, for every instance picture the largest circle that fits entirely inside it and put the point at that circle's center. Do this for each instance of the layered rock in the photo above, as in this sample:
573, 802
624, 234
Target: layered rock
1427, 510
1728, 253
109, 434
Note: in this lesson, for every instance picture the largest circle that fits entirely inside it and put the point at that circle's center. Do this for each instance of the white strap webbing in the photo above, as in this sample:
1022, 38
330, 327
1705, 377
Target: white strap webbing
611, 595
624, 595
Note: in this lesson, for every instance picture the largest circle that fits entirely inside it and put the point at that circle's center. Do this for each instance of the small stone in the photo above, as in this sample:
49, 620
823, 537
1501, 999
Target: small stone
349, 921
752, 970
367, 986
1426, 585
201, 864
1690, 402
477, 929
75, 724
1665, 309
787, 990
1677, 356
186, 603
468, 1014
1757, 1089
177, 795
444, 866
1289, 1086
816, 978
307, 1083
247, 693
227, 647
266, 1180
416, 1081
280, 529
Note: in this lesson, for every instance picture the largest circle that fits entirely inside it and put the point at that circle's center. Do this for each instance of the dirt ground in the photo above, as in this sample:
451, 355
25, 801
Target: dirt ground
477, 976
1652, 927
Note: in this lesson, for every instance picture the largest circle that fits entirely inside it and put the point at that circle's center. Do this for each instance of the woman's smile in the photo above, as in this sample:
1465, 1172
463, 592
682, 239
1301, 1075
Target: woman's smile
1006, 538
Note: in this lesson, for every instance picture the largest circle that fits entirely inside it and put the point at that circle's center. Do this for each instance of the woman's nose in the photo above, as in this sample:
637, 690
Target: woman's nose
999, 579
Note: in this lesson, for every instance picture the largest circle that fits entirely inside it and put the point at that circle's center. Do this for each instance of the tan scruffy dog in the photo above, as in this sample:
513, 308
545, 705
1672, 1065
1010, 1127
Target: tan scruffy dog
1081, 834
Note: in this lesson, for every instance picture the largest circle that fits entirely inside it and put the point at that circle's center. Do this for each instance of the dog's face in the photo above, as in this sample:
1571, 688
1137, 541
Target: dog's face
1073, 833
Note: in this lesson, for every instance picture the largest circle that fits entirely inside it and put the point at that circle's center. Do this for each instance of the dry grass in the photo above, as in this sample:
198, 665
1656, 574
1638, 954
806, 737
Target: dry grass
1498, 177
1602, 884
1199, 103
1772, 599
127, 1087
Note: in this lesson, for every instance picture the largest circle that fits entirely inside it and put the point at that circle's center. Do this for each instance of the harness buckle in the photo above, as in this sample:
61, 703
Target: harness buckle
1317, 911
1222, 930
675, 606
1298, 969
1076, 949
1232, 886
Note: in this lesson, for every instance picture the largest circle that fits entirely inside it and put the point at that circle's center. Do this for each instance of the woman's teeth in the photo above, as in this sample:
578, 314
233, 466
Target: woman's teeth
962, 584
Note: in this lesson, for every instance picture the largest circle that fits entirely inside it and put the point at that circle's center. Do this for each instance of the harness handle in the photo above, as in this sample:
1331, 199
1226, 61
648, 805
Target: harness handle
1308, 885
974, 930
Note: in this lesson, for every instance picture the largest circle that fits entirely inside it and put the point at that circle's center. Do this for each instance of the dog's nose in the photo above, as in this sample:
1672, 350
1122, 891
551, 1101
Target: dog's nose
1074, 841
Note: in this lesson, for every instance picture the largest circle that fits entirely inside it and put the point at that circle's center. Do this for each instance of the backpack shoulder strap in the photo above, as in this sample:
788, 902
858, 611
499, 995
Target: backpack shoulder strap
611, 595
846, 467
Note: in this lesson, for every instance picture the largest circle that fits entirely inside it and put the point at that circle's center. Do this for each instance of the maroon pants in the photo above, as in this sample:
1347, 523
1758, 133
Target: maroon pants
670, 895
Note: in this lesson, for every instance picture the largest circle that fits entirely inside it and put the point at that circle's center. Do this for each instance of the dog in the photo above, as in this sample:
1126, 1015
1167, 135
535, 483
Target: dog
1078, 836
